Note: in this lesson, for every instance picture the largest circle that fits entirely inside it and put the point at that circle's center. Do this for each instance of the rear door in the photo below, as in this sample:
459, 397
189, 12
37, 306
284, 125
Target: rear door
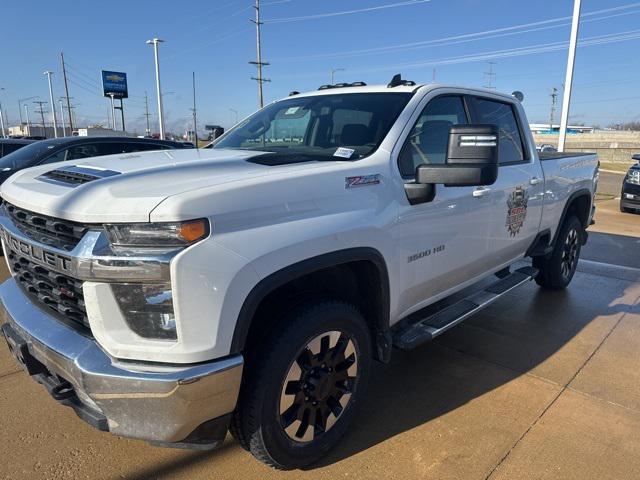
517, 196
443, 243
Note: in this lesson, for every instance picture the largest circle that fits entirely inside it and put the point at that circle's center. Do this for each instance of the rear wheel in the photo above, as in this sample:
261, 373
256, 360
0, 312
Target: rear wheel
556, 271
300, 391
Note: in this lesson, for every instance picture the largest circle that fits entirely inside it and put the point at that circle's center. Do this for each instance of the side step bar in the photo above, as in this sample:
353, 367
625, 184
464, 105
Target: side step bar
423, 331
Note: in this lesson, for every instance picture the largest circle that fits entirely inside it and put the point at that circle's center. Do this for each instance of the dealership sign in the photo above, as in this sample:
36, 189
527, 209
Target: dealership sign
114, 83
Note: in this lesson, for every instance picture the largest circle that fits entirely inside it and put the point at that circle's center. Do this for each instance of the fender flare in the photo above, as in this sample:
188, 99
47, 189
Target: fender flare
583, 192
302, 268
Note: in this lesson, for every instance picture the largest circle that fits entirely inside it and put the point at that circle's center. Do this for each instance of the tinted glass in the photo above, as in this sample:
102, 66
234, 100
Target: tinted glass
26, 156
8, 148
317, 126
141, 147
501, 114
429, 138
85, 150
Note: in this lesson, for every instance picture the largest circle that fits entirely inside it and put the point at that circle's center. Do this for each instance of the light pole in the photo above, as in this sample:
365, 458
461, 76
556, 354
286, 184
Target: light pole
53, 105
20, 100
113, 111
566, 98
2, 117
334, 71
26, 112
236, 114
64, 131
155, 43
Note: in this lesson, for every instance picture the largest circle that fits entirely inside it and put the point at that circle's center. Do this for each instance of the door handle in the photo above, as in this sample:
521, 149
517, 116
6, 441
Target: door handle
535, 181
481, 192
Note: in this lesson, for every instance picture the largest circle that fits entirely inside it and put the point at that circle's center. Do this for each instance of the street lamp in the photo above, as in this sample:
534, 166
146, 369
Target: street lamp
333, 72
236, 113
2, 117
64, 131
155, 43
53, 105
20, 100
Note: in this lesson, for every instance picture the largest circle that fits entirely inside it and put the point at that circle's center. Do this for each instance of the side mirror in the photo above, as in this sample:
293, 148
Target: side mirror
472, 158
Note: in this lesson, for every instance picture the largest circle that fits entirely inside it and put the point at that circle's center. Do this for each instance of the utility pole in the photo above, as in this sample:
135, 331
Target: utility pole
146, 113
554, 100
489, 76
259, 63
236, 114
64, 132
53, 105
333, 72
195, 120
42, 111
66, 92
155, 42
433, 76
568, 83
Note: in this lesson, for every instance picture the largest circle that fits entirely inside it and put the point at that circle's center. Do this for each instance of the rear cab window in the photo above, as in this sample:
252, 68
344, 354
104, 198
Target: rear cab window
502, 114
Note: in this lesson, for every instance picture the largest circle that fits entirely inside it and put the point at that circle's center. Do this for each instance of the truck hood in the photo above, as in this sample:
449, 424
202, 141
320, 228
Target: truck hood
129, 186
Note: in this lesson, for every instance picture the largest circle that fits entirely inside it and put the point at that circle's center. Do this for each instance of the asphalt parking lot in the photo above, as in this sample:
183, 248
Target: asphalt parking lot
539, 385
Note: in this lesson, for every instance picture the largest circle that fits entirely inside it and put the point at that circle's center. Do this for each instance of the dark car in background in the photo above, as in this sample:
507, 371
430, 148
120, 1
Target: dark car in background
10, 145
76, 148
630, 196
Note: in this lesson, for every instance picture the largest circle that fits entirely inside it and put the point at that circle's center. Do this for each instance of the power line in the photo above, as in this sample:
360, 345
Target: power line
346, 12
496, 54
471, 37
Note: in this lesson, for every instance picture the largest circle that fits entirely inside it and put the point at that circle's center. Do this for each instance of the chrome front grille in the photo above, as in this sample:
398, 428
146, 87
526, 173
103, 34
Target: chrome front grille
61, 293
50, 231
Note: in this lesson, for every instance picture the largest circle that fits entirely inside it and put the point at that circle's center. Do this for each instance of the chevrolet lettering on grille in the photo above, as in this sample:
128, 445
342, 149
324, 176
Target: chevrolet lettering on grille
37, 254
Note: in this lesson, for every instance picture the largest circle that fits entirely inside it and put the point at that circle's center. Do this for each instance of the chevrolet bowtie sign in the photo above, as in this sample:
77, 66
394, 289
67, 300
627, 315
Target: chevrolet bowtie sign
114, 83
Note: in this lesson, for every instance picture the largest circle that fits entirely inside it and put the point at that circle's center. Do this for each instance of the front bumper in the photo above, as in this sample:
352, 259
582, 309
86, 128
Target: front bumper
630, 196
158, 403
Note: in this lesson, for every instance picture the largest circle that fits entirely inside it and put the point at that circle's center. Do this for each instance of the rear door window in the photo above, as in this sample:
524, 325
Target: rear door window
502, 114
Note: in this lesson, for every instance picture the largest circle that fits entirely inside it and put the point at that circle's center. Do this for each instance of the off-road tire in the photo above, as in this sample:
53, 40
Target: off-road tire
557, 270
256, 423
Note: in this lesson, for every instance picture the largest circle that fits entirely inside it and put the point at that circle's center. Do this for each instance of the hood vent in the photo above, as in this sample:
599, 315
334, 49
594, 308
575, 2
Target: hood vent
78, 175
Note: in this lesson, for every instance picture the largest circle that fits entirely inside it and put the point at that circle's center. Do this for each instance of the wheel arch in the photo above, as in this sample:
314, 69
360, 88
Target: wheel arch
579, 203
363, 265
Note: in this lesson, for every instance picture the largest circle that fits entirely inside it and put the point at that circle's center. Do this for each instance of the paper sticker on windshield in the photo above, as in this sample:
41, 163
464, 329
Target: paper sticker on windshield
292, 111
344, 152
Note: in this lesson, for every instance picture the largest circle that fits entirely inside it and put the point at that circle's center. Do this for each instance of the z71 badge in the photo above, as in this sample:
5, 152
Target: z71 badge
362, 180
516, 210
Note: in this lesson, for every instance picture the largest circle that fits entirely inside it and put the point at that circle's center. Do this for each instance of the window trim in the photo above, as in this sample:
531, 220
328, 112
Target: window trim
526, 157
467, 112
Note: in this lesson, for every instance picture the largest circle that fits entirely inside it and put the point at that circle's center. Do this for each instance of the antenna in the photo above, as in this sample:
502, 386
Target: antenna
489, 76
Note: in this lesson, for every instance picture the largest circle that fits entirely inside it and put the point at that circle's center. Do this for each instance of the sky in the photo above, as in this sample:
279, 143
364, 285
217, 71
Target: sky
303, 40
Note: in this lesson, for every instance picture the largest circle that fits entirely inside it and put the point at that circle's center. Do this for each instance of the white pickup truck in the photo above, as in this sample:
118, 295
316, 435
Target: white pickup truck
174, 295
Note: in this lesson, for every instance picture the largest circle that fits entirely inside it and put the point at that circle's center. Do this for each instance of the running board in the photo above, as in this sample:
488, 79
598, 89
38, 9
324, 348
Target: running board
414, 335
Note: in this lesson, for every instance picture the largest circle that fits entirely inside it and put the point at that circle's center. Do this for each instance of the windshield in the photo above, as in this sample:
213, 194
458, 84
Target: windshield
340, 126
26, 156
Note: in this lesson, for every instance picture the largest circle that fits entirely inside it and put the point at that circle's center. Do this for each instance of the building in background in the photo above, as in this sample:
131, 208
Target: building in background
545, 128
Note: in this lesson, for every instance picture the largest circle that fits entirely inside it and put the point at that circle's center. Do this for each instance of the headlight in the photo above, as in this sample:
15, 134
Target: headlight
634, 177
156, 235
147, 309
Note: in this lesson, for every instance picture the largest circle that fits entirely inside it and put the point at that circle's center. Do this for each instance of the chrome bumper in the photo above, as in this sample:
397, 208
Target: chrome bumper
152, 402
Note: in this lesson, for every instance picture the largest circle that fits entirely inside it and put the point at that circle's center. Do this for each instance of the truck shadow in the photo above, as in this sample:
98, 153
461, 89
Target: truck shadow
520, 333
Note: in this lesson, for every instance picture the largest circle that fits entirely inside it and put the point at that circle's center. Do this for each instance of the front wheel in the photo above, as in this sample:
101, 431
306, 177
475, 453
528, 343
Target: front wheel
557, 271
300, 391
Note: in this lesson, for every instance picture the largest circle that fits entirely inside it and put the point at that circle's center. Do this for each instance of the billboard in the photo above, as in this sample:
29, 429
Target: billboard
114, 83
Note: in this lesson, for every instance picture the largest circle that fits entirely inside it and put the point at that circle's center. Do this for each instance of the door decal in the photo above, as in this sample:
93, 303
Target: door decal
516, 210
